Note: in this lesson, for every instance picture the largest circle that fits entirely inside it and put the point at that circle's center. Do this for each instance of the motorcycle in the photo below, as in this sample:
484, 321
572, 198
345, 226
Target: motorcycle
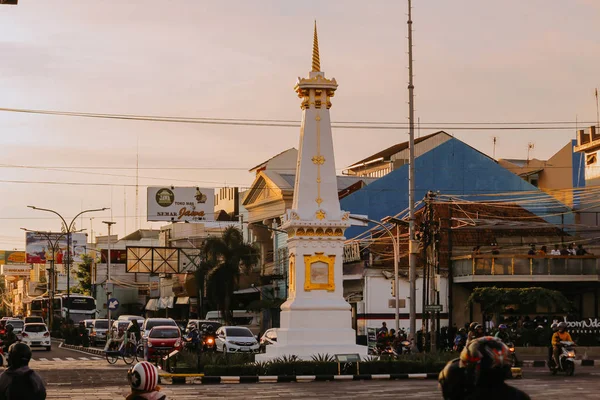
566, 360
513, 354
208, 343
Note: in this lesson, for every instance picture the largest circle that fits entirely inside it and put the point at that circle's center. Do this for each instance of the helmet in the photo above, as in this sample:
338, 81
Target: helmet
210, 328
203, 327
452, 380
9, 327
462, 330
478, 326
143, 377
473, 326
487, 361
554, 326
502, 326
19, 355
562, 325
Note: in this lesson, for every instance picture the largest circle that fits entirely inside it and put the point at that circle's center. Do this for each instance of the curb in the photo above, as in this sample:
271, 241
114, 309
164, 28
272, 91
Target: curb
212, 380
542, 364
89, 350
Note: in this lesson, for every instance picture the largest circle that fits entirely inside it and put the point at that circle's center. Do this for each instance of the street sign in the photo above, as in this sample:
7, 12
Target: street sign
433, 308
113, 304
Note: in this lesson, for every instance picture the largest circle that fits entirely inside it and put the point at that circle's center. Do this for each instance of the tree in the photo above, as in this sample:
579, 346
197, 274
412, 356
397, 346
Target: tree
84, 276
226, 257
493, 299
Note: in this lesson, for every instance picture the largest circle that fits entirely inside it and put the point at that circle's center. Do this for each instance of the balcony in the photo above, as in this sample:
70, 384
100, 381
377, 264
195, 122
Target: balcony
523, 268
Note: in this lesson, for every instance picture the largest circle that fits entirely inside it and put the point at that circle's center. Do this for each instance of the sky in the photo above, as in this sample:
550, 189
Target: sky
475, 61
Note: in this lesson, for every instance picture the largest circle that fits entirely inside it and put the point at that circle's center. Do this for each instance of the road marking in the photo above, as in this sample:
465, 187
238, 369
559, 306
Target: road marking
96, 358
70, 359
83, 358
57, 359
42, 359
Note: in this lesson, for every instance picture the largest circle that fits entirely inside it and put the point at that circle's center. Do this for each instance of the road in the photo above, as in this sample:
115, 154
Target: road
78, 376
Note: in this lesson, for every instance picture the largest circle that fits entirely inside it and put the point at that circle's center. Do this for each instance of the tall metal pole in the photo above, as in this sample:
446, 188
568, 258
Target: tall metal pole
413, 246
108, 268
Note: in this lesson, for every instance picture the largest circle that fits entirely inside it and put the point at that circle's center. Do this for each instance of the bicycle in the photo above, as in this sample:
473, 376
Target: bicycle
130, 351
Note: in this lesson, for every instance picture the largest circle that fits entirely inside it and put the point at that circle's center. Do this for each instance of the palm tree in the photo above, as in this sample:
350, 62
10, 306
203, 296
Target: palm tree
226, 257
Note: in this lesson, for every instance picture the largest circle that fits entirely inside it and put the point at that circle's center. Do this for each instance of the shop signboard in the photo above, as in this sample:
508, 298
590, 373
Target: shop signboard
16, 270
181, 204
39, 247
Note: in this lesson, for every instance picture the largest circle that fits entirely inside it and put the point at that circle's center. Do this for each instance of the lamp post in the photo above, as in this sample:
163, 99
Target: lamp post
51, 281
68, 231
396, 260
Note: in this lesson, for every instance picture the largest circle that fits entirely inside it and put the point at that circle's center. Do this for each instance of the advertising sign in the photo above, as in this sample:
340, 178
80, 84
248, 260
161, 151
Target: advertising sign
61, 280
39, 248
181, 204
16, 270
12, 257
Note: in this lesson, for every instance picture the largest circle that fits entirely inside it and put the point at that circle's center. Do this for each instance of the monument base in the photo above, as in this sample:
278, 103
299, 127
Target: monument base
306, 352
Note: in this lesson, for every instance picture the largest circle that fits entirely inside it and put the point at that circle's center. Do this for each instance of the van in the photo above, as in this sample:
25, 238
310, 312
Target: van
247, 319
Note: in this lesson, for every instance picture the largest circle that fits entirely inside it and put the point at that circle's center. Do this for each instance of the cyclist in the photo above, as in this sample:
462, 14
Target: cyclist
134, 329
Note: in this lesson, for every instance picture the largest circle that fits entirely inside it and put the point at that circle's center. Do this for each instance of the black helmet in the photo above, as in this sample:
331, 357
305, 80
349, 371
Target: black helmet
19, 355
452, 381
487, 361
9, 327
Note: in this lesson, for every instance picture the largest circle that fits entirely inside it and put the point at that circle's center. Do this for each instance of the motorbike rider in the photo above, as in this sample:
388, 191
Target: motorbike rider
479, 373
460, 340
560, 336
9, 338
193, 336
554, 328
476, 331
18, 381
503, 334
83, 335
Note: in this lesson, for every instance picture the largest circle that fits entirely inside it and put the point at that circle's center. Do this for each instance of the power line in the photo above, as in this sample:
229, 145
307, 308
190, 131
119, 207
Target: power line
524, 125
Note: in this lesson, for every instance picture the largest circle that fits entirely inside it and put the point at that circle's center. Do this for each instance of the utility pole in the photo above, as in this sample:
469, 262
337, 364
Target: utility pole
412, 245
108, 284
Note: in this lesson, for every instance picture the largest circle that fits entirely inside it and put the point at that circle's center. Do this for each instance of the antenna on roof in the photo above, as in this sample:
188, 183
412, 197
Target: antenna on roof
597, 110
530, 147
495, 139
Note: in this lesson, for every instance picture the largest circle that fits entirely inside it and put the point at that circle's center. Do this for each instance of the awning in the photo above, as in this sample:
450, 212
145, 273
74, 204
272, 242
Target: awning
166, 302
152, 305
183, 300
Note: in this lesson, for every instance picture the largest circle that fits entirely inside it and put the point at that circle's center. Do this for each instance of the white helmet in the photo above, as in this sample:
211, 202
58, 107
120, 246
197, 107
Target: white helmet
554, 326
143, 377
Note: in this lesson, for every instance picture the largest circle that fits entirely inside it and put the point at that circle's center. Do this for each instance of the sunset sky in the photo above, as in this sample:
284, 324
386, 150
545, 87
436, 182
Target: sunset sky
475, 61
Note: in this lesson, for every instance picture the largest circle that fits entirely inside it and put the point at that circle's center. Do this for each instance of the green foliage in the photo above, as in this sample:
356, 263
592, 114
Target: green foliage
323, 358
84, 276
226, 258
494, 299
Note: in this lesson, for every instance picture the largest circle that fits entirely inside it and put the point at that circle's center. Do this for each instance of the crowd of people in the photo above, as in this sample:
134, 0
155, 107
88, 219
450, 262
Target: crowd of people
564, 249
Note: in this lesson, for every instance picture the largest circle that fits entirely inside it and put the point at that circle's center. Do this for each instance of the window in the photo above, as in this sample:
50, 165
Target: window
591, 159
35, 328
101, 324
164, 333
239, 332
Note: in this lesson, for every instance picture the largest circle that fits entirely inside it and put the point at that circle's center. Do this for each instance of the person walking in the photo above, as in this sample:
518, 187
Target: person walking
18, 381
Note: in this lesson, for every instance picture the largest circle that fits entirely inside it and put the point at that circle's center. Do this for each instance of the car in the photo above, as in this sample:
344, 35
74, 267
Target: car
152, 322
34, 320
163, 339
17, 325
139, 319
269, 337
36, 335
236, 339
241, 318
98, 331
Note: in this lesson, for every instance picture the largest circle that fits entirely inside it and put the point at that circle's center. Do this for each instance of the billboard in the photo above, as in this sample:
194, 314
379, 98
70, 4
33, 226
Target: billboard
39, 248
12, 257
16, 270
181, 204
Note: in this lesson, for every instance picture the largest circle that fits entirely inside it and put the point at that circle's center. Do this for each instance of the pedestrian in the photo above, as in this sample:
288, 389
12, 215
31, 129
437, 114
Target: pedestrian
383, 330
565, 251
18, 381
572, 250
543, 251
581, 251
143, 379
555, 251
531, 251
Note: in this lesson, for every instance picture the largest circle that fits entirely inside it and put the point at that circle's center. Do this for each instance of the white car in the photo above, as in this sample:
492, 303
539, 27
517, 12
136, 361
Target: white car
236, 339
36, 335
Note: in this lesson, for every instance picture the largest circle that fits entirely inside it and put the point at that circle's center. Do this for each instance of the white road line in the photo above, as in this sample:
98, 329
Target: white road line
42, 359
57, 359
70, 359
83, 358
96, 358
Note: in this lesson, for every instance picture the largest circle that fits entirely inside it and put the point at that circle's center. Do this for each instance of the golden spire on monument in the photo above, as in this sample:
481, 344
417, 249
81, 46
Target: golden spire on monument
316, 62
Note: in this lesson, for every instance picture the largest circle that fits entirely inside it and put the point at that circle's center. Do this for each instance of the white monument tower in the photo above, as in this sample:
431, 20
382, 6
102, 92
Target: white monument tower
315, 319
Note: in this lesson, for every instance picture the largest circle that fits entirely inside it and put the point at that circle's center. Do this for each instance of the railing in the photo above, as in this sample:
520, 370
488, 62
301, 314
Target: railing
510, 265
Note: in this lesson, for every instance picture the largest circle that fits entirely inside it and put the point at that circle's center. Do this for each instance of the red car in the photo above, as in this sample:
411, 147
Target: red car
163, 340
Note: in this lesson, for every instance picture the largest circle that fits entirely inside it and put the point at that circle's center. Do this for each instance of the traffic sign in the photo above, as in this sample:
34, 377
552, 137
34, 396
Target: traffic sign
113, 304
433, 308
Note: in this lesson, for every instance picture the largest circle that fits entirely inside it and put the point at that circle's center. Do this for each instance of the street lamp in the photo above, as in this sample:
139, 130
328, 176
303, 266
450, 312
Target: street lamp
68, 231
396, 260
108, 266
51, 282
